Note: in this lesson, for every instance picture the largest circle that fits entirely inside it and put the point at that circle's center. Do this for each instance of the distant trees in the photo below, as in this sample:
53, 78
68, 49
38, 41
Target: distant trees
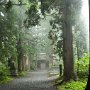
8, 34
15, 19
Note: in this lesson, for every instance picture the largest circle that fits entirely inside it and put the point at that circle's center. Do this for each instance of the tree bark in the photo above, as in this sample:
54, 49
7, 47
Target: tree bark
88, 82
20, 55
78, 56
67, 42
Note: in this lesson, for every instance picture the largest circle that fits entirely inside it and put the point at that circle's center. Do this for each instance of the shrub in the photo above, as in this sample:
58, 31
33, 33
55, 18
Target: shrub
83, 65
4, 72
78, 85
22, 73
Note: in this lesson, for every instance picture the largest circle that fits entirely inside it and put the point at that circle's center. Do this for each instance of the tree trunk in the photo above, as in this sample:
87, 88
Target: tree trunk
19, 47
78, 56
20, 55
88, 82
67, 42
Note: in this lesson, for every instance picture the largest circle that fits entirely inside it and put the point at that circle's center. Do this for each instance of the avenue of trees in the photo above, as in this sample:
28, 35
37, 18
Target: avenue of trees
17, 19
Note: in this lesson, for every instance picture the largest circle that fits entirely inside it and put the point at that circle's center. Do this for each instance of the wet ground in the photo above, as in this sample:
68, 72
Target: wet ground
38, 80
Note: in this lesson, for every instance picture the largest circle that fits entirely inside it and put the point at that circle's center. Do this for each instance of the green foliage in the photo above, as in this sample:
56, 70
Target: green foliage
13, 40
44, 6
8, 5
8, 36
33, 16
6, 80
59, 49
83, 64
4, 72
32, 1
22, 73
73, 85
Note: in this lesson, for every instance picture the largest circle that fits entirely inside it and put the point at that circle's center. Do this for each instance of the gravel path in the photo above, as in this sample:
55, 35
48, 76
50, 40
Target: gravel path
39, 80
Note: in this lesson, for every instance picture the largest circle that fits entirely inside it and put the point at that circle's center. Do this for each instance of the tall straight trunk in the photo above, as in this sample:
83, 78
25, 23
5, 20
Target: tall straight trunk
88, 82
19, 47
78, 56
19, 51
67, 42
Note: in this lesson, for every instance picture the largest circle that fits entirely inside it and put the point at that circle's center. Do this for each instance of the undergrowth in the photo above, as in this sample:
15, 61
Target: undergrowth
73, 85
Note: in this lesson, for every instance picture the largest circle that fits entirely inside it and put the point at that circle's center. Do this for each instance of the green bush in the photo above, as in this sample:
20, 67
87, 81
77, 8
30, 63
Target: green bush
4, 72
83, 65
22, 73
73, 85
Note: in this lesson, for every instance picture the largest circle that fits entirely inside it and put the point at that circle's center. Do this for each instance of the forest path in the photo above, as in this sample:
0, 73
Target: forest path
38, 80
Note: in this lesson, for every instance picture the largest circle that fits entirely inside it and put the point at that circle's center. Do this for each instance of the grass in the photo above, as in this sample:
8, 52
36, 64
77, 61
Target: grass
9, 78
6, 80
21, 74
74, 85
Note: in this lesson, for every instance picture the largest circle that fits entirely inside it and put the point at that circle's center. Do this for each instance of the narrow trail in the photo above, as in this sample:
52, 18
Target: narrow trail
38, 80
